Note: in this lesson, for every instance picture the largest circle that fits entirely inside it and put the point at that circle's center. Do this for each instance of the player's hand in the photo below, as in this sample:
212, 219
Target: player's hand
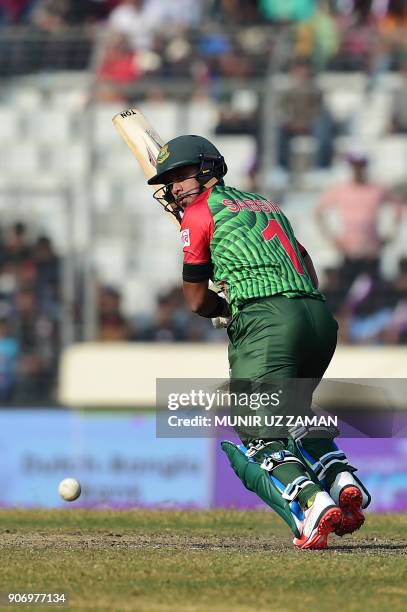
215, 288
226, 317
221, 322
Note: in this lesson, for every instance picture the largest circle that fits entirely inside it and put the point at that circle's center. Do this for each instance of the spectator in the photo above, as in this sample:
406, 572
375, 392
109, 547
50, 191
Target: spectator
360, 43
367, 310
81, 12
363, 9
399, 111
232, 120
318, 38
169, 324
17, 247
118, 66
212, 47
302, 112
26, 275
132, 19
51, 15
356, 205
286, 10
333, 289
37, 337
15, 11
396, 332
119, 63
232, 12
172, 322
9, 353
179, 14
8, 281
30, 308
393, 28
55, 15
201, 330
113, 326
47, 267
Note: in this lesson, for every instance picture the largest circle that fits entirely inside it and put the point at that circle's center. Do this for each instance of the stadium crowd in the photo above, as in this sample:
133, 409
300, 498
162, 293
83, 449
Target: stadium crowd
171, 321
370, 309
30, 314
235, 38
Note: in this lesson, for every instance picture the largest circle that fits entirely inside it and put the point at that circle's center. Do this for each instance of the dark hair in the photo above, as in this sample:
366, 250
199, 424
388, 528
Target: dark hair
19, 228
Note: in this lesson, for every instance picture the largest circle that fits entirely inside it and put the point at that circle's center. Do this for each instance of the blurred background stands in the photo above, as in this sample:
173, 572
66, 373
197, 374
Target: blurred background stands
285, 89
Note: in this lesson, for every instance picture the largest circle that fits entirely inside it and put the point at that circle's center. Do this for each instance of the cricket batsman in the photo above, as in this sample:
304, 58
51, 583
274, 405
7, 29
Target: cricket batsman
278, 326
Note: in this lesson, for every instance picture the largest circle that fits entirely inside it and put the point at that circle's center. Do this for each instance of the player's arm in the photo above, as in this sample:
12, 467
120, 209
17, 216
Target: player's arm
196, 232
204, 301
308, 264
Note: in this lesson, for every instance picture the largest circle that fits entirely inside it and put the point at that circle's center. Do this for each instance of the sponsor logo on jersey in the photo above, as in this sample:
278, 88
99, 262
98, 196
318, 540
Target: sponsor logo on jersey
163, 154
185, 237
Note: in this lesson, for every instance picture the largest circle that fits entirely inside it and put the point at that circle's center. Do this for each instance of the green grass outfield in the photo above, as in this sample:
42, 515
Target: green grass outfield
199, 561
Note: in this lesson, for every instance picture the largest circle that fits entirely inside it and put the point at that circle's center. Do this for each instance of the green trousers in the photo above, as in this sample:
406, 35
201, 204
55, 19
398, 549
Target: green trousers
282, 338
282, 345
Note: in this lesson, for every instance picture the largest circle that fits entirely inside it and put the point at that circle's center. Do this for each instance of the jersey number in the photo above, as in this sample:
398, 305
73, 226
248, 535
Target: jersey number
274, 229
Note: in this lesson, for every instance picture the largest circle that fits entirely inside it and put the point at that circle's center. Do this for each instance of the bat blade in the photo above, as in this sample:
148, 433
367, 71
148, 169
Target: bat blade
140, 137
143, 141
145, 144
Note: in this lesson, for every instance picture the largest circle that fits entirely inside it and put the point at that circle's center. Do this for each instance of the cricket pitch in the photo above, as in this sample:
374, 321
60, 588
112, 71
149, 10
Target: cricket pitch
156, 560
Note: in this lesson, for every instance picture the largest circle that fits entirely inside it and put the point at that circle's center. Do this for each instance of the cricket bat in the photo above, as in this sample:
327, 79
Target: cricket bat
143, 141
141, 138
145, 144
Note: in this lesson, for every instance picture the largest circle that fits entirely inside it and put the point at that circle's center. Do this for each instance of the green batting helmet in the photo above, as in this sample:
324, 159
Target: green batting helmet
189, 150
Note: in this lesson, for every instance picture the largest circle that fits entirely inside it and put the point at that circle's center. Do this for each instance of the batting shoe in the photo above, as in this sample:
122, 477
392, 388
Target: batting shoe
321, 519
351, 499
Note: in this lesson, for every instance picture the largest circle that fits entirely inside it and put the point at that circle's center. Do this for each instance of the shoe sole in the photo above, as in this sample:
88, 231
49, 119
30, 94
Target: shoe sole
350, 502
328, 522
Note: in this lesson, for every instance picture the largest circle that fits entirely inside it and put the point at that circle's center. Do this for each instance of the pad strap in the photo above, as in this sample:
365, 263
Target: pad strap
254, 448
298, 433
271, 462
294, 488
320, 467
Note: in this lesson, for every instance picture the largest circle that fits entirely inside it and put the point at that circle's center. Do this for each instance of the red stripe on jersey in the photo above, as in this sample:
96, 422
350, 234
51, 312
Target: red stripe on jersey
197, 230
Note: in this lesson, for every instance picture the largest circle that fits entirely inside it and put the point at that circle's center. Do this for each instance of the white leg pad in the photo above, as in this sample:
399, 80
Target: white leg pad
342, 480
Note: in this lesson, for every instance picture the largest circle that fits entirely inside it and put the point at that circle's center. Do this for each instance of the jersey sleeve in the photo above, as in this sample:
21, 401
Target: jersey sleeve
301, 248
196, 235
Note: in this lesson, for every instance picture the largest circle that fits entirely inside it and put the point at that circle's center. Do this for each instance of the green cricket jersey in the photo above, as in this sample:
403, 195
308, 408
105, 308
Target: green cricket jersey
245, 243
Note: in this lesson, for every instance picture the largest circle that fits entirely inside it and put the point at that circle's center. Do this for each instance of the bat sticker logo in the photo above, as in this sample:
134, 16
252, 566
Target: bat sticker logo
151, 157
163, 154
155, 138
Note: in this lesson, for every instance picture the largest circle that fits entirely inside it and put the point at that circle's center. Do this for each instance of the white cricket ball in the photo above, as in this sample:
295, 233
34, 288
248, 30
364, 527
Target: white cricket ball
69, 489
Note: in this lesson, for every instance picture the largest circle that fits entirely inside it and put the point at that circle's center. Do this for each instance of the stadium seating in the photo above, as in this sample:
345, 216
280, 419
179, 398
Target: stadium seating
10, 124
81, 148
